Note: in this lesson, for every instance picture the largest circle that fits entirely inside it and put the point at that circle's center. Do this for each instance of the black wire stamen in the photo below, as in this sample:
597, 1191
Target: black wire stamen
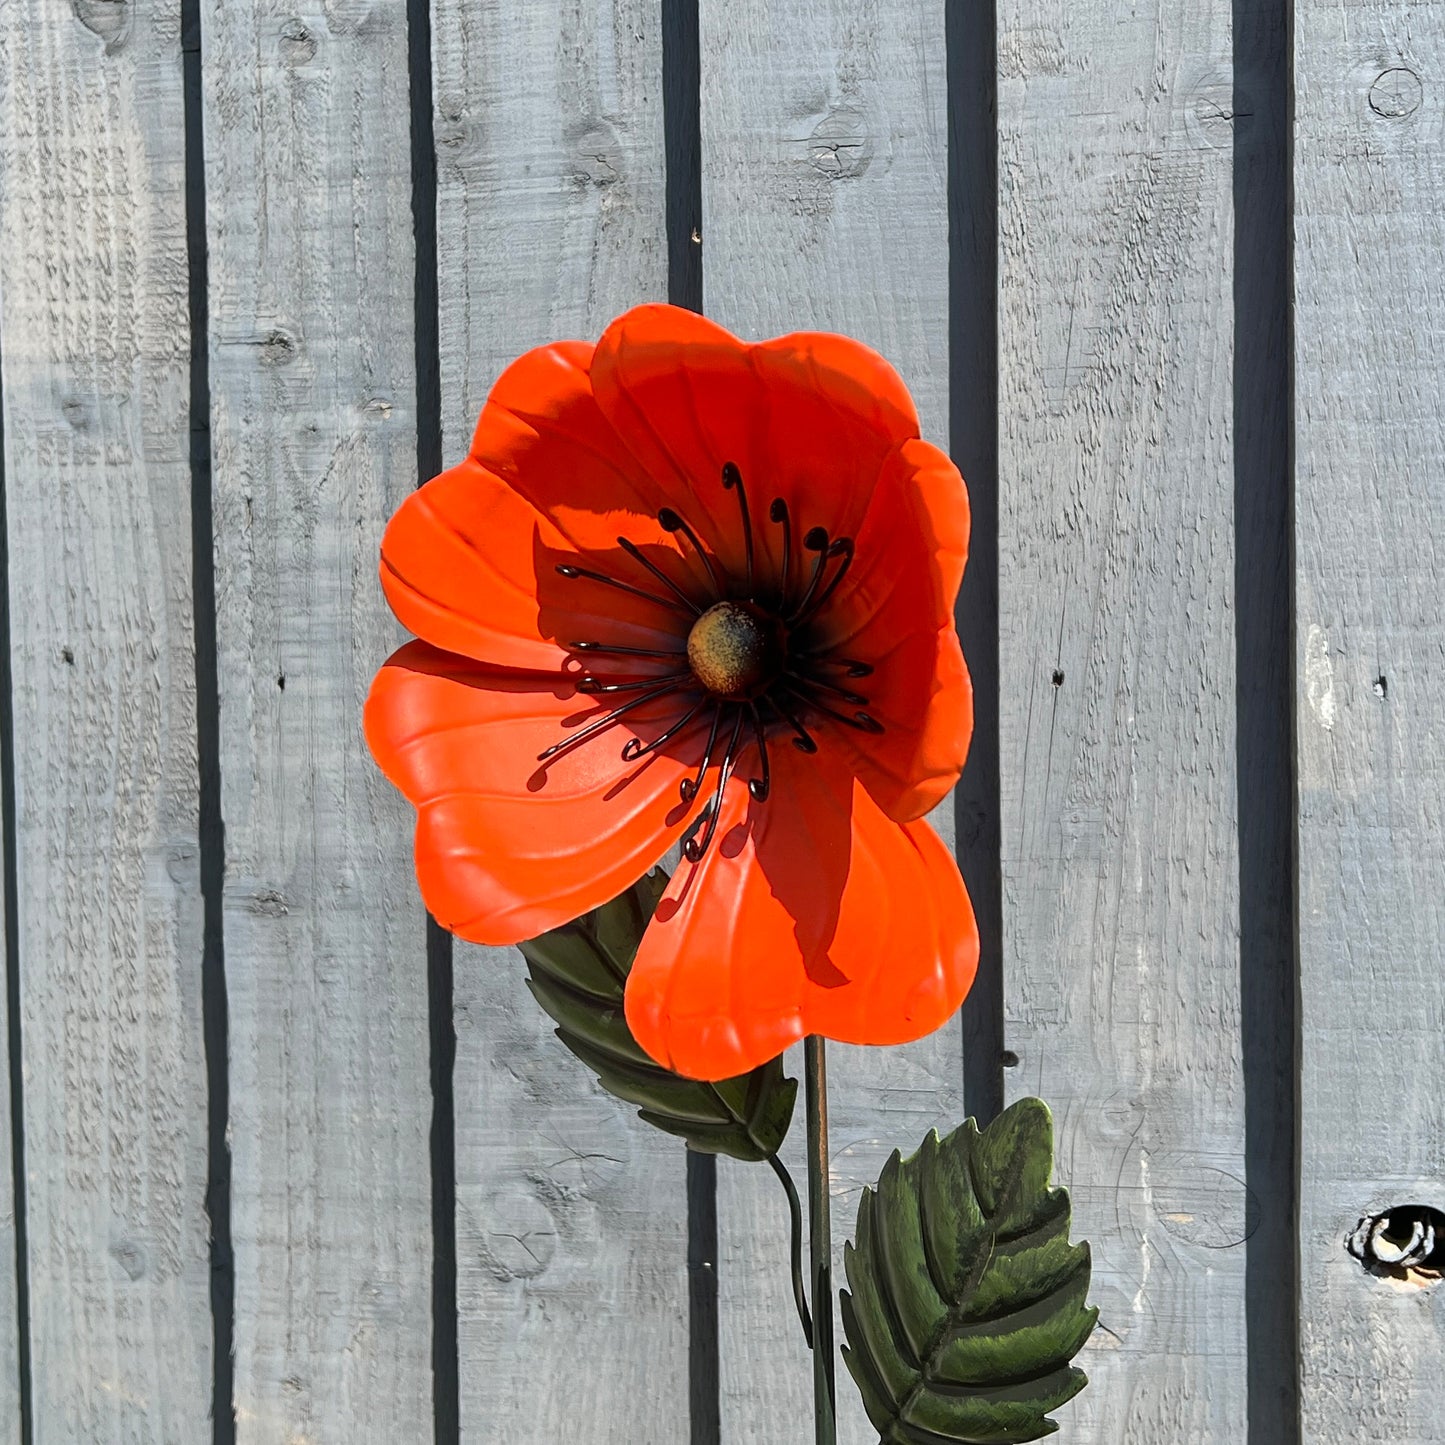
860, 720
804, 741
688, 786
856, 698
624, 651
778, 512
567, 570
603, 723
850, 665
635, 552
759, 788
799, 686
694, 849
671, 521
594, 685
635, 748
732, 480
843, 548
817, 541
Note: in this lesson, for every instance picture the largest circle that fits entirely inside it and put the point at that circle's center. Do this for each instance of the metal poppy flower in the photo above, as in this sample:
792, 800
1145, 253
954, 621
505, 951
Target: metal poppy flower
688, 589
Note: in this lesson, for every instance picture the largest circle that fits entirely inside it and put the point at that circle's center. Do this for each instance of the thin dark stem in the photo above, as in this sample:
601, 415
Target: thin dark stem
795, 1216
820, 1235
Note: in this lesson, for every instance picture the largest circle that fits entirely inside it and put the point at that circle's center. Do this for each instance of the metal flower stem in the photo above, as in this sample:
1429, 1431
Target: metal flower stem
795, 1220
815, 1071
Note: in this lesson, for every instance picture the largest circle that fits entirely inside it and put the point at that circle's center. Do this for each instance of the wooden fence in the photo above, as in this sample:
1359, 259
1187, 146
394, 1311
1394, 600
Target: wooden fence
1168, 275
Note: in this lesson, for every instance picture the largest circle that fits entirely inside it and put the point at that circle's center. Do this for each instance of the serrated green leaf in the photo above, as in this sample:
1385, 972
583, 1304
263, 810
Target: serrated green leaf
573, 958
599, 1022
653, 1087
965, 1299
578, 973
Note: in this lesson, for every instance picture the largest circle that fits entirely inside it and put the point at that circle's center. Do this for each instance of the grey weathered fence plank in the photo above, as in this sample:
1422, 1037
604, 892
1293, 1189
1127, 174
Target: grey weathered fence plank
1117, 758
10, 1422
1370, 497
94, 344
571, 1213
314, 438
825, 156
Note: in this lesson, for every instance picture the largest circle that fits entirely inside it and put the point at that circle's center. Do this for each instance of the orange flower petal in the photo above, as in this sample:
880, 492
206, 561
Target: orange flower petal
808, 418
542, 433
919, 521
895, 612
506, 847
812, 912
470, 565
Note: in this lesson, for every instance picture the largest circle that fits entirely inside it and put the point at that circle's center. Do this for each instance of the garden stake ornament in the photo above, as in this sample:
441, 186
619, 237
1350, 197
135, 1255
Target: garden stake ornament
686, 591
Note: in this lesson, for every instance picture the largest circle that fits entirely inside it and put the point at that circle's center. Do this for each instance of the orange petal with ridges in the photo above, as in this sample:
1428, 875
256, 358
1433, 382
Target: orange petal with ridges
506, 847
812, 912
468, 564
543, 434
808, 418
895, 612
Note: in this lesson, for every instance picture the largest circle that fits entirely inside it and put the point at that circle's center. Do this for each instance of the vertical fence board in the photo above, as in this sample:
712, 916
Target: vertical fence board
825, 206
93, 287
1370, 607
1117, 757
571, 1213
313, 424
10, 1324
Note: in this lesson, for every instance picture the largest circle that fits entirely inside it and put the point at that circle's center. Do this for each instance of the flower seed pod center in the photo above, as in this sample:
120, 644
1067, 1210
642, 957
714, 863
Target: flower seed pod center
734, 650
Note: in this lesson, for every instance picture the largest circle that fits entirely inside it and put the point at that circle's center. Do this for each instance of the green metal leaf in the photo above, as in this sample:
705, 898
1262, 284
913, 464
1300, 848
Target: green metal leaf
578, 973
966, 1300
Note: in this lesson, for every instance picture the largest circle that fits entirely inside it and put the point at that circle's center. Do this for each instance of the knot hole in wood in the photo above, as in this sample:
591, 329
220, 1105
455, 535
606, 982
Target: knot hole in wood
1405, 1243
1396, 93
297, 44
841, 145
109, 19
597, 155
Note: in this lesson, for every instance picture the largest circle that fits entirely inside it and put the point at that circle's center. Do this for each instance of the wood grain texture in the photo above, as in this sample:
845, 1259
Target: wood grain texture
1117, 757
10, 1364
314, 436
824, 144
1370, 478
571, 1213
95, 351
550, 185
